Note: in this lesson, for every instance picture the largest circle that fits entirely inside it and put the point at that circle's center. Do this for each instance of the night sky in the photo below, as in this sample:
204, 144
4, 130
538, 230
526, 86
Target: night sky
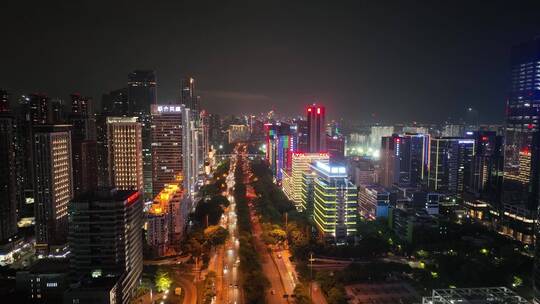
392, 60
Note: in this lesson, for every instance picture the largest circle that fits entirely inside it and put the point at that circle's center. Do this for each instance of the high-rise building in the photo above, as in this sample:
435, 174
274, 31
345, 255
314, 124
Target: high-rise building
167, 218
124, 143
404, 160
522, 126
53, 183
336, 147
278, 147
59, 111
191, 163
167, 160
36, 108
300, 164
81, 105
316, 122
85, 170
84, 145
115, 103
487, 171
335, 204
451, 161
214, 128
8, 176
141, 91
188, 96
302, 131
105, 238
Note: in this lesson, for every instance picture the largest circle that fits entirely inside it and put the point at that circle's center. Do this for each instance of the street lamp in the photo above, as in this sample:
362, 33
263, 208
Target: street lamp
311, 260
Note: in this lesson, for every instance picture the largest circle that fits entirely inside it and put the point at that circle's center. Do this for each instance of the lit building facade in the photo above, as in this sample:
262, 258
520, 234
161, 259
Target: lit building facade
167, 160
300, 164
188, 96
373, 201
105, 238
522, 126
53, 184
125, 153
335, 205
166, 220
279, 148
451, 161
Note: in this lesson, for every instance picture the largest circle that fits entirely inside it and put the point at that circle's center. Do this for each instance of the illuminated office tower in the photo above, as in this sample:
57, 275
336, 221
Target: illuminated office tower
316, 123
125, 153
522, 125
167, 146
191, 164
188, 96
53, 187
300, 165
278, 147
166, 220
451, 161
105, 239
335, 202
8, 175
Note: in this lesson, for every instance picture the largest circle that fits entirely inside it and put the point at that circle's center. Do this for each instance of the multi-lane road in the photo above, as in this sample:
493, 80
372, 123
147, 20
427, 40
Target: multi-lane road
226, 258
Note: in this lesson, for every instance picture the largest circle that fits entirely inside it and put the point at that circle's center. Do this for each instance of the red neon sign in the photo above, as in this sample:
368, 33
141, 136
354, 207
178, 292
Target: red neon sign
133, 197
309, 109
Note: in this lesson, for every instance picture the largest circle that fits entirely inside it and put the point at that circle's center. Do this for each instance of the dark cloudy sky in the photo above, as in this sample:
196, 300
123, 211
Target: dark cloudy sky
402, 61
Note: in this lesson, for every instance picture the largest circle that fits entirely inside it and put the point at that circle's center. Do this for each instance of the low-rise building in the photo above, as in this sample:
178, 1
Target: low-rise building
373, 201
44, 282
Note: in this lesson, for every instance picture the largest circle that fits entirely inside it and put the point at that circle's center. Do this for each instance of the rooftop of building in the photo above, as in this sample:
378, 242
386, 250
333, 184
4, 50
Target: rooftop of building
49, 266
486, 295
163, 199
108, 194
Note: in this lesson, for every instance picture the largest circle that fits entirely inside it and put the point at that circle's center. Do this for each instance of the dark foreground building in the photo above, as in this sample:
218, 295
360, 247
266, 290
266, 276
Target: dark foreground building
106, 242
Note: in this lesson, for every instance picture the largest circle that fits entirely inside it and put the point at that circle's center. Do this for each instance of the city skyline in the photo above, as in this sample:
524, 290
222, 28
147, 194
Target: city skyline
280, 152
379, 64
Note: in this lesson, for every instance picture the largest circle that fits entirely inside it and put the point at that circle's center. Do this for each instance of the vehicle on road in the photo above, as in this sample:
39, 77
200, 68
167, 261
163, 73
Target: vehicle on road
272, 292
